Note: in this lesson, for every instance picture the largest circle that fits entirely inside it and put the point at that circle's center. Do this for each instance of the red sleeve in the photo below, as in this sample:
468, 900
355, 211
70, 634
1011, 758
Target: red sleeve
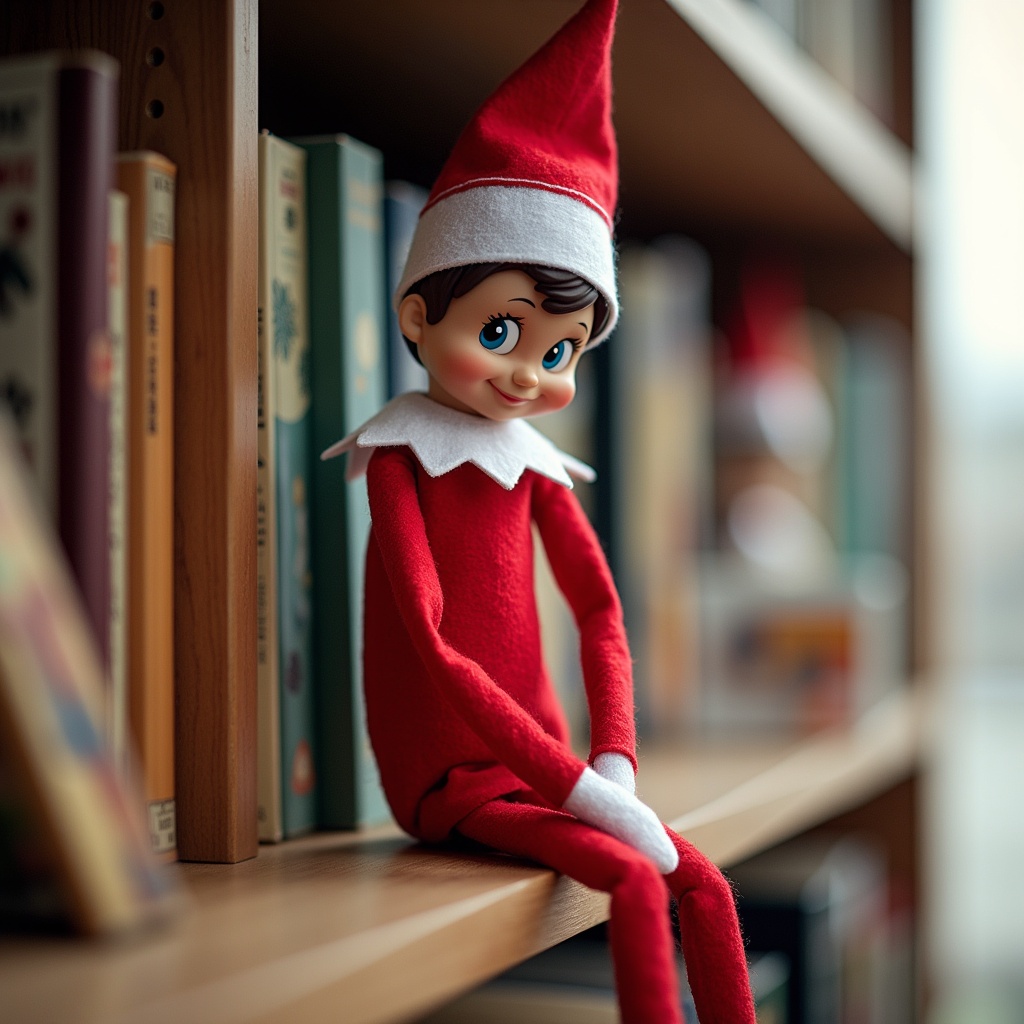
513, 736
582, 574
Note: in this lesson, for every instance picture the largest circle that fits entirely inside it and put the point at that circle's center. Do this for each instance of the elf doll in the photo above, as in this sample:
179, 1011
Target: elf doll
509, 280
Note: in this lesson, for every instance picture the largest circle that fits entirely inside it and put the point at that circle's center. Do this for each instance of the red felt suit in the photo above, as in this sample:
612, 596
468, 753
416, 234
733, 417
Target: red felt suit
468, 732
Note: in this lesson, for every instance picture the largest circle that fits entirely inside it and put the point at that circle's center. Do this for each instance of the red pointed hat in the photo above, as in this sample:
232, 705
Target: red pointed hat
534, 176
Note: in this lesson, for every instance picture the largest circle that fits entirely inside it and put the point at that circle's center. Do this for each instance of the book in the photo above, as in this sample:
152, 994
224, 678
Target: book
774, 425
117, 280
875, 437
795, 656
661, 466
347, 337
286, 743
66, 809
148, 179
853, 41
822, 903
403, 202
57, 139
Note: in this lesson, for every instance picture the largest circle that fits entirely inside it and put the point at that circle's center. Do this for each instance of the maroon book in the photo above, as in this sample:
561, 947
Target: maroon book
57, 142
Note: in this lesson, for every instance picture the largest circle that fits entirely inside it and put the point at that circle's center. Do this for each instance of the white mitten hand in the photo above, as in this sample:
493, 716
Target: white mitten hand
616, 768
610, 808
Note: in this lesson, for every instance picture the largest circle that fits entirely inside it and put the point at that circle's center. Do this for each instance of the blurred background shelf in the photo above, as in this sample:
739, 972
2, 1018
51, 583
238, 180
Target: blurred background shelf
722, 121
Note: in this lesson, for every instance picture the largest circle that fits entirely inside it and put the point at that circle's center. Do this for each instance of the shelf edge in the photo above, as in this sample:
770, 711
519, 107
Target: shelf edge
863, 157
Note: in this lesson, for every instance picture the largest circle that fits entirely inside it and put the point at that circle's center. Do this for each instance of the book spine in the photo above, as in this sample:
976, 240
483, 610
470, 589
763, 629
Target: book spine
662, 380
56, 147
87, 99
117, 280
268, 758
347, 333
268, 744
149, 181
875, 438
287, 775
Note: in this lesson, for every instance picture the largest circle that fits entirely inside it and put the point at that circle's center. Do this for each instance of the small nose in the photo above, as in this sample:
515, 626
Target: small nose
525, 377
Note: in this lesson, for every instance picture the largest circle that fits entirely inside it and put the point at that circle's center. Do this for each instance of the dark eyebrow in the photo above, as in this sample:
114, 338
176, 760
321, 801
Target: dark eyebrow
583, 325
527, 301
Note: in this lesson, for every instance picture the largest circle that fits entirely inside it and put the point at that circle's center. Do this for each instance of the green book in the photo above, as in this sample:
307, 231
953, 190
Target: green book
286, 741
347, 333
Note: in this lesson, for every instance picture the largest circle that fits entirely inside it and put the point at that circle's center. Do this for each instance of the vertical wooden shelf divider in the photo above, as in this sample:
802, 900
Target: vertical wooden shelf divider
189, 90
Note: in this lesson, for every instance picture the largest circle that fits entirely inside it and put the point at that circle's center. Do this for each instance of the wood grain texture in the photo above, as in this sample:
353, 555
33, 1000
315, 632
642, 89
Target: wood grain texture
206, 85
374, 928
188, 90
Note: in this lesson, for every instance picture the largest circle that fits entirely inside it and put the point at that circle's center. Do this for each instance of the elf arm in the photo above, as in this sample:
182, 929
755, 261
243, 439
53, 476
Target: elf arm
603, 795
581, 571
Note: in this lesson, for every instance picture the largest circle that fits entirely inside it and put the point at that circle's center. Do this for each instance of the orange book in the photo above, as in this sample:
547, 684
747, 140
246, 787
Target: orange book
148, 179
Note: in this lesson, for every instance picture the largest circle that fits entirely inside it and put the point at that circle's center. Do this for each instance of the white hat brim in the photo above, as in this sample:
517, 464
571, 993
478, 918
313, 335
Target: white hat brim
515, 224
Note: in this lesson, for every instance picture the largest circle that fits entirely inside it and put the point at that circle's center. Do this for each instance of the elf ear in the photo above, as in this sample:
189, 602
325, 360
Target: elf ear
412, 317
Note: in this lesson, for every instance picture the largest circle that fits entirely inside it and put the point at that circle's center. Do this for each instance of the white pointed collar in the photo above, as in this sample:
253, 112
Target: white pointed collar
445, 438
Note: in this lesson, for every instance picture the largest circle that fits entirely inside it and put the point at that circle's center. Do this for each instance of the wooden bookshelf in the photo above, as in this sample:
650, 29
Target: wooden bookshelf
373, 928
726, 133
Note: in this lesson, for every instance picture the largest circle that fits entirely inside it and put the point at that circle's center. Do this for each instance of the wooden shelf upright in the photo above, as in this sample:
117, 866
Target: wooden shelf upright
188, 90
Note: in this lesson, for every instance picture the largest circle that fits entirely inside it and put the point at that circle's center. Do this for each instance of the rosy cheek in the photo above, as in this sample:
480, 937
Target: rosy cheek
466, 366
561, 392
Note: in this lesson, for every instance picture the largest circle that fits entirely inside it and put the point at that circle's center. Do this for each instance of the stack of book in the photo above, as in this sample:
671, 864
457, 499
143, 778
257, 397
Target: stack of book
86, 371
323, 371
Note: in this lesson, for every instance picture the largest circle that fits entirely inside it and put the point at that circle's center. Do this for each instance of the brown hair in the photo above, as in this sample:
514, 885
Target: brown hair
564, 291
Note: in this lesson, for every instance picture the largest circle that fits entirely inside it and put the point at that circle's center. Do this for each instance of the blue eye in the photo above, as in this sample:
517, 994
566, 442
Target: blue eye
500, 334
559, 356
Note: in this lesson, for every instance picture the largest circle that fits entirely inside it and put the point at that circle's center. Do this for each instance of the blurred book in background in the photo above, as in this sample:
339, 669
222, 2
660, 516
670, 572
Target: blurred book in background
852, 40
803, 604
74, 840
117, 280
795, 656
56, 156
660, 386
824, 905
574, 983
875, 442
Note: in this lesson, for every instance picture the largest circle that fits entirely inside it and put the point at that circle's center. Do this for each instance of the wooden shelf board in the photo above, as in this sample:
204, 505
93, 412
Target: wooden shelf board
865, 159
720, 123
385, 928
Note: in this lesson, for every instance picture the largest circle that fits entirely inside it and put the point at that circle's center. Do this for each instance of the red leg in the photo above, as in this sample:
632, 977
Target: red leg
712, 945
639, 930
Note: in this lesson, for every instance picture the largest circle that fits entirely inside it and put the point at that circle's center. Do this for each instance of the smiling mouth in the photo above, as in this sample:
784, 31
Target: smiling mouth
508, 398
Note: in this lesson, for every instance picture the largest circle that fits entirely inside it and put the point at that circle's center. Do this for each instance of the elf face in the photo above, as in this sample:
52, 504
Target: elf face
497, 352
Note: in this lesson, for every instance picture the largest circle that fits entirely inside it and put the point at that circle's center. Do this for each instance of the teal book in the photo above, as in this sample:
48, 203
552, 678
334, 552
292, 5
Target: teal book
875, 443
286, 740
348, 338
